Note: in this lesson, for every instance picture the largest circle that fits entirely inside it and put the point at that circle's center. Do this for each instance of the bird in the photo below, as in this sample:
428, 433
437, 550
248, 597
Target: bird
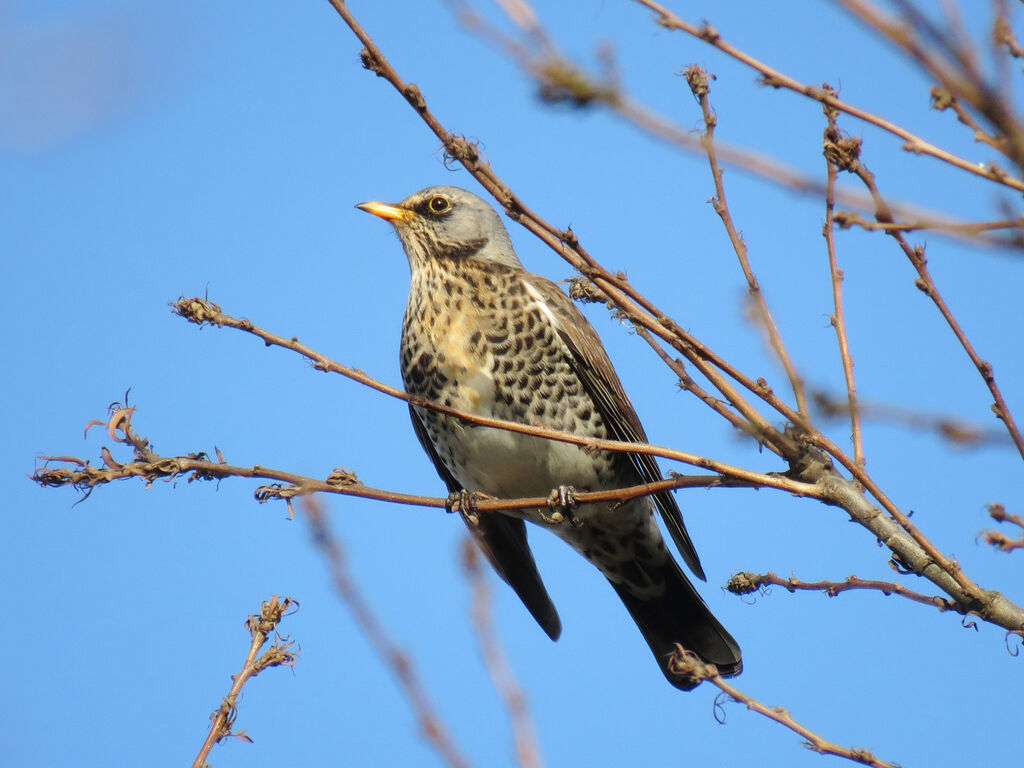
483, 335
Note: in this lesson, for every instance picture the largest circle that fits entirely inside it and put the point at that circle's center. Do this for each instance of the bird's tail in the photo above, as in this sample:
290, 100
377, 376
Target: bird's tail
679, 615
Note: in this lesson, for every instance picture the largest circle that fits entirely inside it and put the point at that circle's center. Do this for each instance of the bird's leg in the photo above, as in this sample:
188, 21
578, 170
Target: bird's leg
561, 501
464, 502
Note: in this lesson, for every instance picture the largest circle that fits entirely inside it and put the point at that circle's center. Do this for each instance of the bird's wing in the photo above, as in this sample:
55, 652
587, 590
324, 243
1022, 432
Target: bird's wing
600, 381
503, 541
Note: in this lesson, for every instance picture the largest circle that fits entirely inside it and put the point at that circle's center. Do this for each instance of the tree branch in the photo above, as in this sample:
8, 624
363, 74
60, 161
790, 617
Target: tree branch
959, 433
697, 79
745, 582
838, 318
998, 539
281, 653
150, 467
684, 662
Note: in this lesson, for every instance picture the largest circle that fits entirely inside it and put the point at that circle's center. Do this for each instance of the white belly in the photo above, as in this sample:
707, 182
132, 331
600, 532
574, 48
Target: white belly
512, 465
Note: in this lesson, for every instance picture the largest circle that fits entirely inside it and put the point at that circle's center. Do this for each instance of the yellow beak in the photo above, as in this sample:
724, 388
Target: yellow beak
386, 211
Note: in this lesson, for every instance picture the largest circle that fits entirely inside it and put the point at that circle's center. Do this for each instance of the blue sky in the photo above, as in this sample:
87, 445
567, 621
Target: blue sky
150, 151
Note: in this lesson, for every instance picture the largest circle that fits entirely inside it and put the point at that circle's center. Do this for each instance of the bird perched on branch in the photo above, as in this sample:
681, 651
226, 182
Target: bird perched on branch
483, 335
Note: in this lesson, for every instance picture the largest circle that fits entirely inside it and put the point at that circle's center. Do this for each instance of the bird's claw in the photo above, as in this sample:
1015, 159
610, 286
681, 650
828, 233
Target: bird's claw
464, 502
561, 501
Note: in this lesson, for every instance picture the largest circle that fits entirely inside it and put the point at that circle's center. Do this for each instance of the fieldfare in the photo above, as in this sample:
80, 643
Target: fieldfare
483, 335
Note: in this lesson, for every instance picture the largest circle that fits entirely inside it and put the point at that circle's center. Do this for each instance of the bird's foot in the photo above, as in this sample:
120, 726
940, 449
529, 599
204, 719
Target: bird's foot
561, 501
464, 502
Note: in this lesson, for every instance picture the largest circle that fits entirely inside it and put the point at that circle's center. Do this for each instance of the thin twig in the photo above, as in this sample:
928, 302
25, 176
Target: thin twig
943, 100
687, 384
1002, 542
150, 467
838, 318
684, 662
281, 653
1003, 35
744, 583
998, 539
959, 433
847, 219
697, 79
1001, 63
527, 748
397, 661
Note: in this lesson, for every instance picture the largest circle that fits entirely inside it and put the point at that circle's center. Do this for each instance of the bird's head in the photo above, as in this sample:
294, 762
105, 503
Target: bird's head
447, 223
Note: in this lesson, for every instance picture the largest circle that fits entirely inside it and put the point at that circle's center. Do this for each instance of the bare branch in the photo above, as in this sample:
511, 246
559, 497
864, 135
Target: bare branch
998, 539
913, 552
697, 79
684, 662
744, 583
281, 653
847, 219
959, 433
150, 467
838, 318
1003, 35
943, 100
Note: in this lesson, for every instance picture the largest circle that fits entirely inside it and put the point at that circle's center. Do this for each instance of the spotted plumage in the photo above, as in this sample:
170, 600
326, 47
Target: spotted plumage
483, 335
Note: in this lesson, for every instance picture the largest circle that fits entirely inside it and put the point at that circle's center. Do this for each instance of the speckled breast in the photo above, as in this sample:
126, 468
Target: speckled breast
476, 340
479, 342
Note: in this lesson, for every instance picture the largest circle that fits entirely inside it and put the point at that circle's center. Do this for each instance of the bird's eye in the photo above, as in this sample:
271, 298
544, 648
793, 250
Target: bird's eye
439, 204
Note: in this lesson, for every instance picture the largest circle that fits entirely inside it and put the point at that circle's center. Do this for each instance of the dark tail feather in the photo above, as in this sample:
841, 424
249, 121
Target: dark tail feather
679, 615
503, 540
